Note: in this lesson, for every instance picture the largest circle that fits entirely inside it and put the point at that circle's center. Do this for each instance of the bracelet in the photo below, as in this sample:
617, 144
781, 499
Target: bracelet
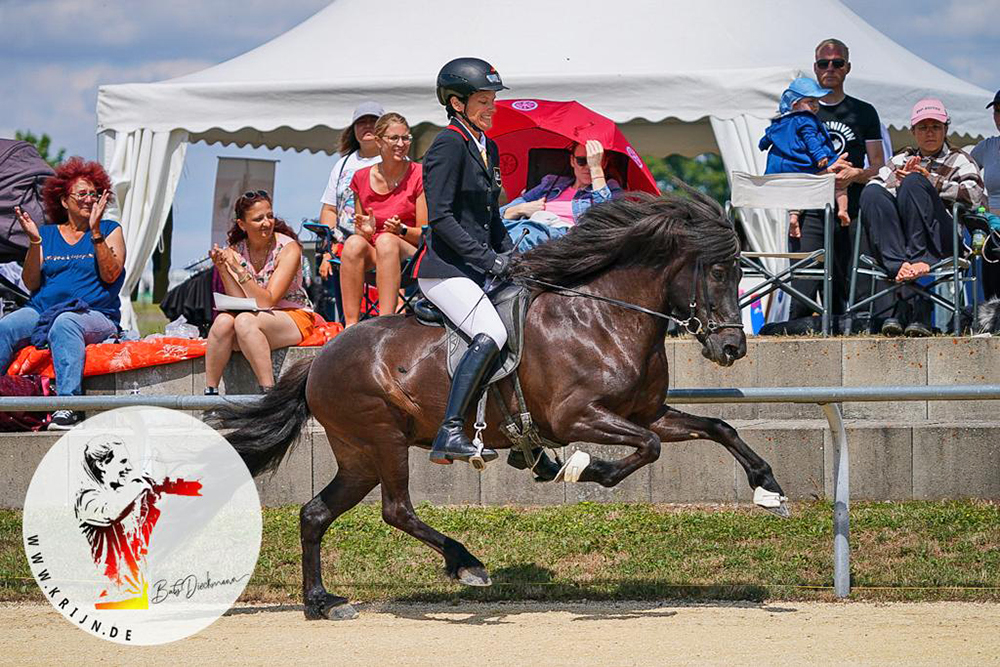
38, 242
97, 239
245, 278
402, 230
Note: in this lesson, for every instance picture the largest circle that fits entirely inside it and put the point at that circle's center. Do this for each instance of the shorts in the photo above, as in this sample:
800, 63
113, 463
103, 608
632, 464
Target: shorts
304, 320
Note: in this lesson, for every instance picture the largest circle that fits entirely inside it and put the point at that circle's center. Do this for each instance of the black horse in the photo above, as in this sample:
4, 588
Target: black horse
592, 372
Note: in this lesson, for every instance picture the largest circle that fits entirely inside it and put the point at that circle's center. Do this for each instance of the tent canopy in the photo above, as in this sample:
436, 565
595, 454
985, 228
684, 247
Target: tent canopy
679, 77
636, 59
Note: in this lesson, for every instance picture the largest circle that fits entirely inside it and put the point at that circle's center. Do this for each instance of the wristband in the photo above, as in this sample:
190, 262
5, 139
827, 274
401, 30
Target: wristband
97, 239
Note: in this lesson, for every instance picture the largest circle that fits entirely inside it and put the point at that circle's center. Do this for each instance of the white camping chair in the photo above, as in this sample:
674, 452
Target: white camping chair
785, 192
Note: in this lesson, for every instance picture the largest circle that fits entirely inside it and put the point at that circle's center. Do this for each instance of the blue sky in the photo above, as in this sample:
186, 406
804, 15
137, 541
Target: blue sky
55, 53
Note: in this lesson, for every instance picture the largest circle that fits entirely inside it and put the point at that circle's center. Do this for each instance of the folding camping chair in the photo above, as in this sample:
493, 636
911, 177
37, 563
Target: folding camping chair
785, 192
951, 269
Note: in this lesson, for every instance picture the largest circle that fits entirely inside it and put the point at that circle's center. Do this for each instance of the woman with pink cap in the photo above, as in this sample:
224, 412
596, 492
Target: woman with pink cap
906, 207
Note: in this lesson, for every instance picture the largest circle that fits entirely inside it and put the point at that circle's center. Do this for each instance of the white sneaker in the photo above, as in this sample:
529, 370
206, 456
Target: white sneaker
64, 420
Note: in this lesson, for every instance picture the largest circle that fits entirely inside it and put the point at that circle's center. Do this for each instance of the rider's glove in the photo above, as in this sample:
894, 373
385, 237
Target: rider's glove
501, 266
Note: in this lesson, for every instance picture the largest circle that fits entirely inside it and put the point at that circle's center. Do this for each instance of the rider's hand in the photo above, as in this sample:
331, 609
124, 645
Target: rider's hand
501, 265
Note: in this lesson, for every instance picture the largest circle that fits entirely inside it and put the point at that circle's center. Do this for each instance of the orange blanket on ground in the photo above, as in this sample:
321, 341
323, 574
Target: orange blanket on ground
105, 358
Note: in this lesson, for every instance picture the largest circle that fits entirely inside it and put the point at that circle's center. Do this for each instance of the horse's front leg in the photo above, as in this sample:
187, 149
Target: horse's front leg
603, 427
676, 426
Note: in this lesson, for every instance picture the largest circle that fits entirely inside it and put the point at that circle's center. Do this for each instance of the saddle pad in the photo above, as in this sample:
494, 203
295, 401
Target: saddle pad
512, 303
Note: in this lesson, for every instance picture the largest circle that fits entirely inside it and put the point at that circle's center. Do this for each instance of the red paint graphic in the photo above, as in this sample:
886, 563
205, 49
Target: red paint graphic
117, 512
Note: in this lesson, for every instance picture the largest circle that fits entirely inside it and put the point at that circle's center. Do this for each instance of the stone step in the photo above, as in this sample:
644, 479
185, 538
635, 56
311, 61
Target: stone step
898, 460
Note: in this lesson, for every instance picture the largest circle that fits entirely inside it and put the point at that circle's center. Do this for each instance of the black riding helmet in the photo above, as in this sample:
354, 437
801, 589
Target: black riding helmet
464, 76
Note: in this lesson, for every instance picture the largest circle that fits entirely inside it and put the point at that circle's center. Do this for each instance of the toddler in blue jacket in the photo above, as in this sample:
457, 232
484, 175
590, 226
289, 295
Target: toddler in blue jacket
798, 142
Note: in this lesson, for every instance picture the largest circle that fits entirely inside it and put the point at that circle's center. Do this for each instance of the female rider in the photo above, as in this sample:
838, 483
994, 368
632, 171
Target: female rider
467, 241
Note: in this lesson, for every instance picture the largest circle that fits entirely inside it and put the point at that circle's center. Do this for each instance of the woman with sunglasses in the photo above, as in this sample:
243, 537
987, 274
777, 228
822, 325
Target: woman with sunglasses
263, 262
548, 210
389, 211
74, 268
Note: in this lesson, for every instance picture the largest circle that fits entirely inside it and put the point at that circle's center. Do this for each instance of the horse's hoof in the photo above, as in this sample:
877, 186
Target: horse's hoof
340, 612
773, 502
330, 608
474, 576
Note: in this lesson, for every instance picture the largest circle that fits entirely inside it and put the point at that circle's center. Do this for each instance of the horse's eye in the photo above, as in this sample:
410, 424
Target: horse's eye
718, 273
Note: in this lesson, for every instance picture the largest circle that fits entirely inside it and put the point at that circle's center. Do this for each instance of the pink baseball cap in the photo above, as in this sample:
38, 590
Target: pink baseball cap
929, 107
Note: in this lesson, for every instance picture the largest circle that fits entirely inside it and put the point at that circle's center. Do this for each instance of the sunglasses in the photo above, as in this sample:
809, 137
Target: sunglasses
838, 63
84, 196
581, 160
256, 194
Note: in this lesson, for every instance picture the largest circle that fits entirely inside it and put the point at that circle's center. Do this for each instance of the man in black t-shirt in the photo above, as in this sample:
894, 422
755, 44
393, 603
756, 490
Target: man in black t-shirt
857, 133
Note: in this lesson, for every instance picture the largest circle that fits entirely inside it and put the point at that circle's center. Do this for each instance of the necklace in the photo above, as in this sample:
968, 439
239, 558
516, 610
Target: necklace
258, 264
392, 185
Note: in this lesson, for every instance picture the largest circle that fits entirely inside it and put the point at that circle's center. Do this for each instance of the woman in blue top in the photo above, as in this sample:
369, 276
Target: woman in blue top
550, 208
74, 268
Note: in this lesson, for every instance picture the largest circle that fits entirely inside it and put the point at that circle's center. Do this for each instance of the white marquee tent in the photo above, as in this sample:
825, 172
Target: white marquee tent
680, 77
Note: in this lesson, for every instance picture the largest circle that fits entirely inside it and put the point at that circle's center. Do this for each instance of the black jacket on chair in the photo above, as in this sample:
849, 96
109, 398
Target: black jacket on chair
466, 231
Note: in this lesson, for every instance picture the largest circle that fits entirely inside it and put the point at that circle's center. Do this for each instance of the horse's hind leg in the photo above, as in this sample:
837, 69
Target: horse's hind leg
397, 511
676, 426
351, 484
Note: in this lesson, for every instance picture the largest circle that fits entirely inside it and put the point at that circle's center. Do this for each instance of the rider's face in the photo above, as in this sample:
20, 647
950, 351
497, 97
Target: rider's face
480, 108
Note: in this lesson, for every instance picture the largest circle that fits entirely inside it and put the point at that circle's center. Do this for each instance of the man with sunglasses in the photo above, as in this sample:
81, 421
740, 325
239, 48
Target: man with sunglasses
856, 132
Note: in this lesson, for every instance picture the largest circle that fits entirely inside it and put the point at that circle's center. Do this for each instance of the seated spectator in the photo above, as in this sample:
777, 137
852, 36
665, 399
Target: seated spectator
906, 207
358, 149
74, 268
263, 261
987, 156
390, 210
549, 209
797, 142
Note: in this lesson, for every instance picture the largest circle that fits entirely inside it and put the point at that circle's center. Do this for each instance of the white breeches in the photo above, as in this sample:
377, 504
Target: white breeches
463, 302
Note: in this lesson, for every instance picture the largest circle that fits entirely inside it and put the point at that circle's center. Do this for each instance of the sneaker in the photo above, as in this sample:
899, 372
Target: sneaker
64, 420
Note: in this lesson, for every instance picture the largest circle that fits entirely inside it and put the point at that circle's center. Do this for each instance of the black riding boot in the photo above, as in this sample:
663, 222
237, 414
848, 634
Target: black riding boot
451, 443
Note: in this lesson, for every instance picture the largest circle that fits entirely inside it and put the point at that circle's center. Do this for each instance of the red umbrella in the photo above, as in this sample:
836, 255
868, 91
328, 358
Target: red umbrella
520, 126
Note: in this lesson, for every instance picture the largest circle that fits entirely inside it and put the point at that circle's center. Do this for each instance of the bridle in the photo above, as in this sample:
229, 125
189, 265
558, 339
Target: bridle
692, 324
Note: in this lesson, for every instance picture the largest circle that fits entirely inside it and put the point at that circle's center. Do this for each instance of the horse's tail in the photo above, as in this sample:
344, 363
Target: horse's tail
263, 432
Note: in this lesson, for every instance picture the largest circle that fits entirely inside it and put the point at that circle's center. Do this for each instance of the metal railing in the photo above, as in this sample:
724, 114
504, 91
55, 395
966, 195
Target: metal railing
828, 398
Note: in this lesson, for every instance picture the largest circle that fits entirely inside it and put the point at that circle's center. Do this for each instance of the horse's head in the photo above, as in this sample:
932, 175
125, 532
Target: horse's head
718, 310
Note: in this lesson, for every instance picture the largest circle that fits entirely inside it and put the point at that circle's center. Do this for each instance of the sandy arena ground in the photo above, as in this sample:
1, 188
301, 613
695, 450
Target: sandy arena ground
636, 633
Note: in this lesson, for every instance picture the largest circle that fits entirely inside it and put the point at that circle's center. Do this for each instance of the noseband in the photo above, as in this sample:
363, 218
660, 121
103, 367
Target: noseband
692, 324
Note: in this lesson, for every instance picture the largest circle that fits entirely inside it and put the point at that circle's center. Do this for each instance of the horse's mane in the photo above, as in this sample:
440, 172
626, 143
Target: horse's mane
636, 230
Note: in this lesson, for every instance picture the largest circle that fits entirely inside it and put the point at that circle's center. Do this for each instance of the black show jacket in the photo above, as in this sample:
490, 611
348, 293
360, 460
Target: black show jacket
466, 230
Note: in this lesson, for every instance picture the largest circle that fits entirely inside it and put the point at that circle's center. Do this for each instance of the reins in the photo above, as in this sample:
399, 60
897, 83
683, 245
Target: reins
692, 324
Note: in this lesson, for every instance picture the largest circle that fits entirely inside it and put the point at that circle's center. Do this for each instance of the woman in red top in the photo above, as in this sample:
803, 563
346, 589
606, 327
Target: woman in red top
390, 210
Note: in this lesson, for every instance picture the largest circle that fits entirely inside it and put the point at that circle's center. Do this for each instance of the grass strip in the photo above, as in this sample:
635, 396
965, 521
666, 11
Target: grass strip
900, 551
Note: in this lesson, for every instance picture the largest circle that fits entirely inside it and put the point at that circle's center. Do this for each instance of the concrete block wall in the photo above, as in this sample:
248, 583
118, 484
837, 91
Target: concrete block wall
918, 450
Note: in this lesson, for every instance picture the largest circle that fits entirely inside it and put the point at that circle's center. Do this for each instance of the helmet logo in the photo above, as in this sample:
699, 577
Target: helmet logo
493, 77
525, 105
